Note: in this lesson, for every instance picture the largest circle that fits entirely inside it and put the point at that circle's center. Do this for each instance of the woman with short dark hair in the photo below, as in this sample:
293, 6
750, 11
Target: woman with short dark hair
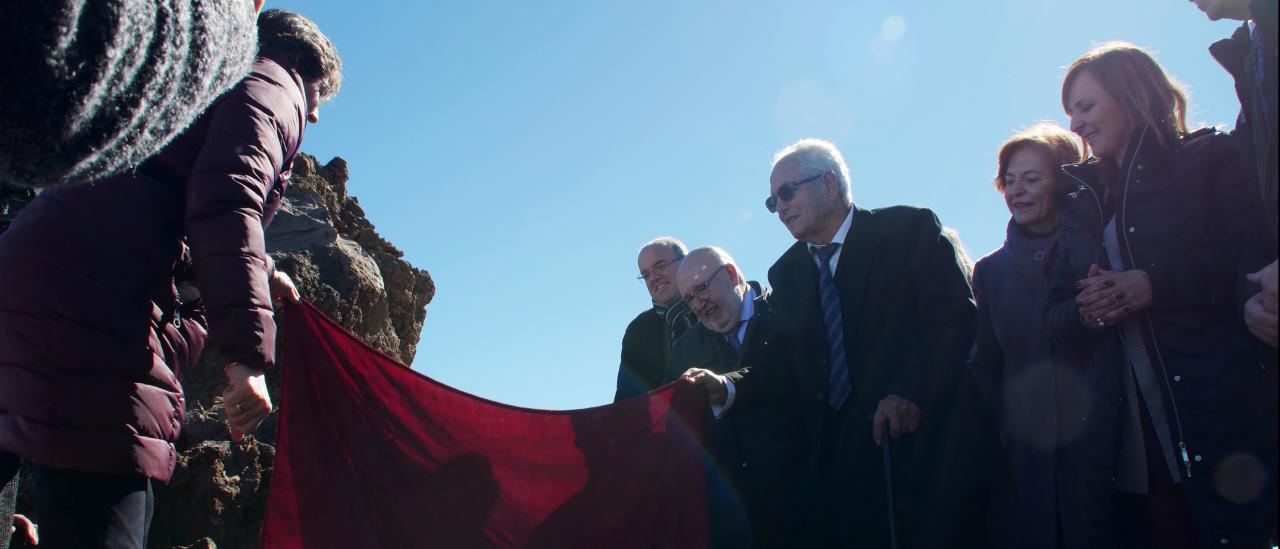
1054, 498
1161, 231
96, 333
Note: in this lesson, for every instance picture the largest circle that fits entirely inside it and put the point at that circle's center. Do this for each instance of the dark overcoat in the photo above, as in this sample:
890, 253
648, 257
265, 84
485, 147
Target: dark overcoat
1255, 130
1187, 216
1061, 458
753, 449
908, 316
646, 349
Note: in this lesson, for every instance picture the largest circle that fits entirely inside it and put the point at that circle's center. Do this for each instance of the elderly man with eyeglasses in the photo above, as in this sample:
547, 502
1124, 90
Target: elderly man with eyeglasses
646, 345
754, 468
874, 317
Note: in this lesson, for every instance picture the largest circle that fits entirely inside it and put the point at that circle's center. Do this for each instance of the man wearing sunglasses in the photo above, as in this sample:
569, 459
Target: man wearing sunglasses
752, 453
874, 319
646, 345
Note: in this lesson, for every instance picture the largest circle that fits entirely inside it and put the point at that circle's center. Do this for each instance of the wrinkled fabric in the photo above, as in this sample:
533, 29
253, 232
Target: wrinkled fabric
373, 454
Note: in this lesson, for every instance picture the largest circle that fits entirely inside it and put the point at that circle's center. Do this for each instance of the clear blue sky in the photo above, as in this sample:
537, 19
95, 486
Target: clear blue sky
522, 151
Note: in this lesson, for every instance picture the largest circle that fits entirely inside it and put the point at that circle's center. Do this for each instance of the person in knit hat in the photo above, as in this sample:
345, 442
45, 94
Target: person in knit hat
91, 88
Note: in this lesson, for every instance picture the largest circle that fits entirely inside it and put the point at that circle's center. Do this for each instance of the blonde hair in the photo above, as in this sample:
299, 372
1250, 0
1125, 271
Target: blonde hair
1047, 137
1145, 92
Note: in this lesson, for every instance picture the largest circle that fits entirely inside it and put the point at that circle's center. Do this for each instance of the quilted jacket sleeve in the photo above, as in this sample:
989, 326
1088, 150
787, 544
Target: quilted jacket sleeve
253, 134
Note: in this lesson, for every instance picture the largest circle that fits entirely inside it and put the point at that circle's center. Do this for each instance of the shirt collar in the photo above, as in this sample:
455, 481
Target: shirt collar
748, 304
843, 232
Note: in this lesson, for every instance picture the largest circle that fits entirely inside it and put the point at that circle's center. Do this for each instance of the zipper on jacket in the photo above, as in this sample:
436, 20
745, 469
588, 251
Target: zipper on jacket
177, 310
1146, 315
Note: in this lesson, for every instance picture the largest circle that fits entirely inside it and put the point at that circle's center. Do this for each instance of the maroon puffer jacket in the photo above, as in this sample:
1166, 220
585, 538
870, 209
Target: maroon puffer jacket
89, 339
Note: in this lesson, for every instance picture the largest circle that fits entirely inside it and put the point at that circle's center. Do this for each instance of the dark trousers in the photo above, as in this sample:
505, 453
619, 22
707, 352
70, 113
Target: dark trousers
1159, 519
851, 502
78, 509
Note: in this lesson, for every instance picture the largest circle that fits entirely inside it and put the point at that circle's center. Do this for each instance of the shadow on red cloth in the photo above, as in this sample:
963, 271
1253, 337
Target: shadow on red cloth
373, 454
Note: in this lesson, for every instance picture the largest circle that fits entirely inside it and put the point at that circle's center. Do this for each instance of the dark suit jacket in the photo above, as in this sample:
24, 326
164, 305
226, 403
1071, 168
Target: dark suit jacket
908, 316
754, 444
646, 350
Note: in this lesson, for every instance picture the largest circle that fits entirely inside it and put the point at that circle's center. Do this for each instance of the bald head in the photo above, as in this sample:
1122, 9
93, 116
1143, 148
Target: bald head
657, 263
713, 286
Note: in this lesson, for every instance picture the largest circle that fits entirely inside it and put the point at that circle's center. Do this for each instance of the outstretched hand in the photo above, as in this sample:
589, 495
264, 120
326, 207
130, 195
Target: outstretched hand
245, 400
712, 383
282, 288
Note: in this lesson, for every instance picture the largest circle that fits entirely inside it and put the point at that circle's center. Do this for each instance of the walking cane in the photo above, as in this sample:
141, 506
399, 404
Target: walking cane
888, 485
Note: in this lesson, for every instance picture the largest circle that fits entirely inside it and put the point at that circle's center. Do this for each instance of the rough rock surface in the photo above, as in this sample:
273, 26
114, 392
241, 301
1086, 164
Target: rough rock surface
321, 238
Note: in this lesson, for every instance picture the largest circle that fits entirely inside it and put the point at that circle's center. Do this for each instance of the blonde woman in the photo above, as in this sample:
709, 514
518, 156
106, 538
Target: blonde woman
1160, 232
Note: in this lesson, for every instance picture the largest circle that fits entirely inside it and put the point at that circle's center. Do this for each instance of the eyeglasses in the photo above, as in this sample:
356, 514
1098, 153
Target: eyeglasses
645, 274
701, 291
786, 192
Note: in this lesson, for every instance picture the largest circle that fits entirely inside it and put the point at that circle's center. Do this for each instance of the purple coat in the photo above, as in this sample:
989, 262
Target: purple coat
90, 338
1059, 414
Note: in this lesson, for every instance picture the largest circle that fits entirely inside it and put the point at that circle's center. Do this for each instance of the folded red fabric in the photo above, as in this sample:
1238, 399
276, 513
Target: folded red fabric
373, 454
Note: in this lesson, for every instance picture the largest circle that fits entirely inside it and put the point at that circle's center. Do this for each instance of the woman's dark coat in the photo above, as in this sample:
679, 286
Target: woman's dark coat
1057, 415
90, 342
1186, 216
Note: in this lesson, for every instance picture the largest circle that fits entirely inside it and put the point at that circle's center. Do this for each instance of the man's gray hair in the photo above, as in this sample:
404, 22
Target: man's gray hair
675, 245
815, 156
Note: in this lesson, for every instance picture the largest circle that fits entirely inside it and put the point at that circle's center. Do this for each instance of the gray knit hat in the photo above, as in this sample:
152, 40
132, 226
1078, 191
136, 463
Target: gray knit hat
89, 88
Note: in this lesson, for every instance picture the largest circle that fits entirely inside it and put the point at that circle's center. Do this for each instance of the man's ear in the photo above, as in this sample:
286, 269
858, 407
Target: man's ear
831, 185
734, 276
257, 5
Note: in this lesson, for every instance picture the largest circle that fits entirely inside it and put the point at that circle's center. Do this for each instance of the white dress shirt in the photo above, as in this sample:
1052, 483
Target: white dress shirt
839, 238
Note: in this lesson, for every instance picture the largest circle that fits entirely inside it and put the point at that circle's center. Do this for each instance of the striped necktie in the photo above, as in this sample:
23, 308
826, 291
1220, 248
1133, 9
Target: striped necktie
838, 386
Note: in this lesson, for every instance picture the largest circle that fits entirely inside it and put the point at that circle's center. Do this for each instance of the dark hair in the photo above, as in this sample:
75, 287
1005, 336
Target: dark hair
676, 246
316, 58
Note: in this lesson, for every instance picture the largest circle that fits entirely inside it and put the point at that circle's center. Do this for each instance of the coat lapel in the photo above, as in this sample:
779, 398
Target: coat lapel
753, 324
852, 271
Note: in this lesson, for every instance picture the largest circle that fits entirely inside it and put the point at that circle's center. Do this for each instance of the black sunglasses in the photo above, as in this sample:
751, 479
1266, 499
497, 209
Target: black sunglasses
786, 192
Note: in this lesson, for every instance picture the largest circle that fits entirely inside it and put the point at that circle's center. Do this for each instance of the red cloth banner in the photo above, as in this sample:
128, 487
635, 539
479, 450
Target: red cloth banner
373, 454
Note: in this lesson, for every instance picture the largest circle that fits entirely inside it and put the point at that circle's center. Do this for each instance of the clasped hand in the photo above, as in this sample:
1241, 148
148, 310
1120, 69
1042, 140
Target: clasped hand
1107, 297
1260, 311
